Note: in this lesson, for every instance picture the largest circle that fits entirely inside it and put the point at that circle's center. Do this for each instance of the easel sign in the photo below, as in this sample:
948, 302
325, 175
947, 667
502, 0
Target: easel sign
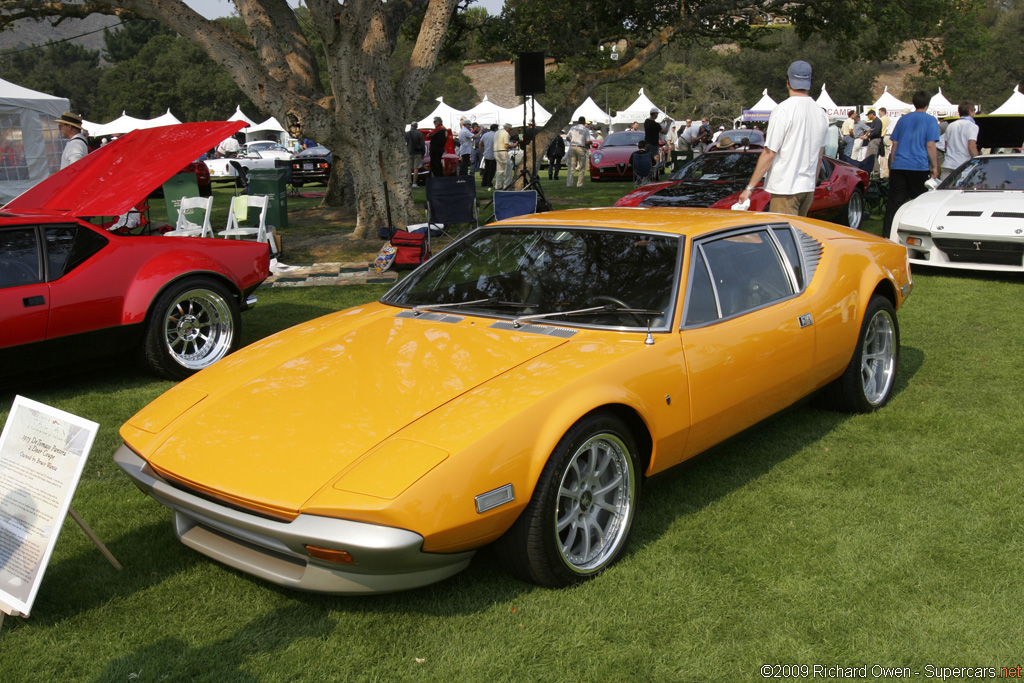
42, 455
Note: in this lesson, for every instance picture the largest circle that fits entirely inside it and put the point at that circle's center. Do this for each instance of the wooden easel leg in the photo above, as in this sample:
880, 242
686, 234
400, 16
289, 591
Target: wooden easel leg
92, 536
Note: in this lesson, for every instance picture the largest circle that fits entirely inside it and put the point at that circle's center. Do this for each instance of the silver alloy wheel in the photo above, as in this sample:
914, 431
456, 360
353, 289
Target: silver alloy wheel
855, 210
198, 328
878, 358
595, 503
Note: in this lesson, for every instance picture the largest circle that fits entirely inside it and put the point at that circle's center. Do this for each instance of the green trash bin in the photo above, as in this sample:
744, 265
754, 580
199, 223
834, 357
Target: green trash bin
272, 182
680, 159
179, 186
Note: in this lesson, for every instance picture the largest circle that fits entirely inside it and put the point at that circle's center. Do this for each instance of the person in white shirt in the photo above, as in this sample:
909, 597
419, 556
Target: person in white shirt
961, 140
579, 142
70, 127
793, 146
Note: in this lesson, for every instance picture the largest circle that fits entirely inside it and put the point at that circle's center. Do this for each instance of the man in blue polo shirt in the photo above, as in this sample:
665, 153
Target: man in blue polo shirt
913, 159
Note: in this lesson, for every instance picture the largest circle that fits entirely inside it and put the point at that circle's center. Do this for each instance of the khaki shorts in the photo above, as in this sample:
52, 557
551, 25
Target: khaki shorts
792, 204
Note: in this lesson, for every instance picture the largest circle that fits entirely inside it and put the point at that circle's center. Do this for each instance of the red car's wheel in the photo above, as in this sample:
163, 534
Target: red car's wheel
193, 324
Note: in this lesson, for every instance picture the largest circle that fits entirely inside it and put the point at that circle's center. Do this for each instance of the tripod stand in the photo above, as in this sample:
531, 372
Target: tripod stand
529, 175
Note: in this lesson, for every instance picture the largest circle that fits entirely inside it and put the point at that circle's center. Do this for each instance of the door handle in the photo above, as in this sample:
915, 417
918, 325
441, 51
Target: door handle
30, 301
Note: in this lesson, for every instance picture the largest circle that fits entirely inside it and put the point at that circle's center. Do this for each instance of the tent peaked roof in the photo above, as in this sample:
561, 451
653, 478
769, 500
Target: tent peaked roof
486, 113
1014, 105
239, 116
449, 116
891, 103
534, 111
639, 110
591, 112
939, 100
766, 103
824, 100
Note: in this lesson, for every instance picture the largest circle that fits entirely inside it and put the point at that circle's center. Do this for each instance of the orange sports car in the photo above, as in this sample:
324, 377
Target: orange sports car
516, 389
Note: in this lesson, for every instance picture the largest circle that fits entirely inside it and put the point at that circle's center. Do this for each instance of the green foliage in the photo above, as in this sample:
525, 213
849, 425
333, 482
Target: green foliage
977, 54
61, 69
151, 82
125, 43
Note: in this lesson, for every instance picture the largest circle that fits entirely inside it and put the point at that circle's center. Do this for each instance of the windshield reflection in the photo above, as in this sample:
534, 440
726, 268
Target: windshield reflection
510, 272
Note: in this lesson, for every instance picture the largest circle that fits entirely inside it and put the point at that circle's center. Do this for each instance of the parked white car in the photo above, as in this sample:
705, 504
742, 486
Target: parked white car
253, 155
974, 220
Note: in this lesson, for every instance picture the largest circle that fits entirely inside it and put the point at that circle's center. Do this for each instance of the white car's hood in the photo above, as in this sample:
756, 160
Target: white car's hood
953, 212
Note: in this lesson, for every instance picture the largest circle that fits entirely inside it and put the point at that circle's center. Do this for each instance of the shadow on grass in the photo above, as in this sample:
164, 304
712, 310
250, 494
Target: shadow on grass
176, 660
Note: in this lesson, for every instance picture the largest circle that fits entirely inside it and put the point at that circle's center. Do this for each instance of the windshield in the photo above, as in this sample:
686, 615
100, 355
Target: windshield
511, 272
719, 166
630, 139
987, 173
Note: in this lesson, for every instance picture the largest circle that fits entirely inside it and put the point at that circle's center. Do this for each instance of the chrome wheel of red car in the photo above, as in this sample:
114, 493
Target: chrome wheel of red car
193, 325
854, 210
579, 519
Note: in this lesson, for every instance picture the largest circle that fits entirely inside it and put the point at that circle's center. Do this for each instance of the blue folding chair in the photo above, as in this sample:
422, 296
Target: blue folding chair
643, 168
451, 200
514, 203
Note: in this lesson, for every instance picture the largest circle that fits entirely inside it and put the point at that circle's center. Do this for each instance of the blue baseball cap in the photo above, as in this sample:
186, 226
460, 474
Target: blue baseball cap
799, 75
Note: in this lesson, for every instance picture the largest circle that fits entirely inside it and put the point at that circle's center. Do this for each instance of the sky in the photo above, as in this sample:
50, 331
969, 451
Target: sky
211, 9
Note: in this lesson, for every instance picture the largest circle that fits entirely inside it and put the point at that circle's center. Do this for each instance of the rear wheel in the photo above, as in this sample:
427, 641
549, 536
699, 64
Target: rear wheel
193, 324
854, 213
869, 378
577, 524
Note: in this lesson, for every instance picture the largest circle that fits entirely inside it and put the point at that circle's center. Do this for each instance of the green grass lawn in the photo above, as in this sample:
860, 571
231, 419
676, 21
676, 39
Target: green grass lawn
817, 538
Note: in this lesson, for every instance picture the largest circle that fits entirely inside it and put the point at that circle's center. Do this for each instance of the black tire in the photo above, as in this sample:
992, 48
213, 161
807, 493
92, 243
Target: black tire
535, 549
853, 212
868, 381
194, 323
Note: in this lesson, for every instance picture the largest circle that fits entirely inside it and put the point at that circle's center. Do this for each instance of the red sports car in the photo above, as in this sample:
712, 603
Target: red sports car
715, 179
612, 159
70, 291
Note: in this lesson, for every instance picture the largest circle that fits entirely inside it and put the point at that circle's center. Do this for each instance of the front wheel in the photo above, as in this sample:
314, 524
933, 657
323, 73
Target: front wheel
578, 521
869, 378
193, 324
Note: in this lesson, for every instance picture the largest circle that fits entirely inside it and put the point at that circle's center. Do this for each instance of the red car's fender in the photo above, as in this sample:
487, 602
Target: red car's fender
239, 272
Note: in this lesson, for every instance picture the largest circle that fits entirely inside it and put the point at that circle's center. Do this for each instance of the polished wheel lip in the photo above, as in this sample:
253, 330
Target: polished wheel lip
595, 503
878, 358
855, 211
198, 328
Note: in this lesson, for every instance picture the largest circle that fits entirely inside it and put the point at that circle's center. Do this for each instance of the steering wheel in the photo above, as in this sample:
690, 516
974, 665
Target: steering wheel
607, 299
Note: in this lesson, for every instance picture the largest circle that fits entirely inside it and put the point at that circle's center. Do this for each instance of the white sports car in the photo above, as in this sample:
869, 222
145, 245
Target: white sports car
974, 220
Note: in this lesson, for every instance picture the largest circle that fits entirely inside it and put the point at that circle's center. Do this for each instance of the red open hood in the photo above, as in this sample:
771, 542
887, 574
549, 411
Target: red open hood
119, 175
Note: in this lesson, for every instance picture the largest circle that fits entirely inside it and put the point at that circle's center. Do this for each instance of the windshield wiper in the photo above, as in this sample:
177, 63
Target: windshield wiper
493, 301
605, 308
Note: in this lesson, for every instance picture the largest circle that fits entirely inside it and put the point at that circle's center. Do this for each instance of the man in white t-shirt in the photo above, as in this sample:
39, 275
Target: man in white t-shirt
961, 140
797, 133
579, 142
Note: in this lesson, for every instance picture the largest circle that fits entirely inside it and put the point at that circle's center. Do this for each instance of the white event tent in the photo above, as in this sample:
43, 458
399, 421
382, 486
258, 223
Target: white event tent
639, 110
449, 116
832, 110
940, 107
591, 112
1014, 105
762, 110
534, 111
32, 145
486, 113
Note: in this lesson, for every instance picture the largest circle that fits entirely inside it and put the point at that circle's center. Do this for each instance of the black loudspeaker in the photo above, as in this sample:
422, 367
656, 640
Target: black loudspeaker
530, 73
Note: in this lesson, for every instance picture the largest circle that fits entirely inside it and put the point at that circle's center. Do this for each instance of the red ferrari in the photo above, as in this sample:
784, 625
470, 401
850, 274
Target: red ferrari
71, 291
715, 179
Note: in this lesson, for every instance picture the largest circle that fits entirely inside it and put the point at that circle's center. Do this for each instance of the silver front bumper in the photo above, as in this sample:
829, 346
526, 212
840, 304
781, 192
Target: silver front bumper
386, 558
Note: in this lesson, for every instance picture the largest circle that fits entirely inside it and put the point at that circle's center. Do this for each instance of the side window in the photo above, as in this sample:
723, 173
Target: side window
788, 243
824, 170
67, 246
19, 257
745, 271
700, 303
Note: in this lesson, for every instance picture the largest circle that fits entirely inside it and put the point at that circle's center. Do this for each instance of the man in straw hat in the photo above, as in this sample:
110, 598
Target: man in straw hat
70, 126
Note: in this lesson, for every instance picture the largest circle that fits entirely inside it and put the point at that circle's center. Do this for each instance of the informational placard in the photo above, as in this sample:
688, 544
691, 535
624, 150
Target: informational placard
42, 454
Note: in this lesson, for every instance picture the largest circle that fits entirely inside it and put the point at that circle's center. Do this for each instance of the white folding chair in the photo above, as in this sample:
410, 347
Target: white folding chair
241, 212
185, 227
